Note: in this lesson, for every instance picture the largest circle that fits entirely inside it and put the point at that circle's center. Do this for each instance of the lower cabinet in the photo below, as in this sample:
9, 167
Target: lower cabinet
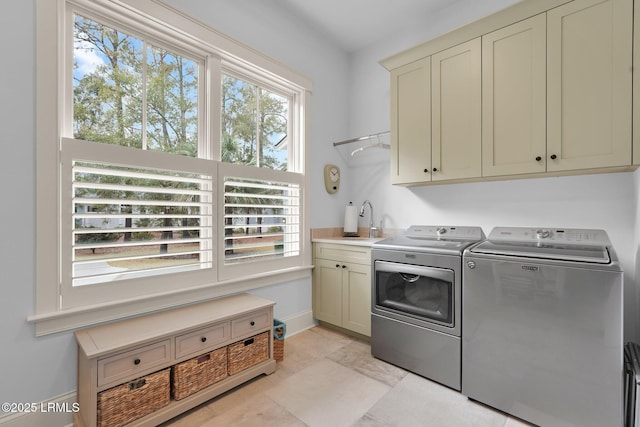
342, 286
147, 370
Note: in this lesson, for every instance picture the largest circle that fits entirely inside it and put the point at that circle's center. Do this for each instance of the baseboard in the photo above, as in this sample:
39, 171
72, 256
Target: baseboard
58, 411
299, 322
55, 412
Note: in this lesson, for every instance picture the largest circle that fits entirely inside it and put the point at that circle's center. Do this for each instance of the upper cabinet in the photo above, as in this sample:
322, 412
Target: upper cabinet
589, 84
456, 112
514, 98
411, 122
541, 88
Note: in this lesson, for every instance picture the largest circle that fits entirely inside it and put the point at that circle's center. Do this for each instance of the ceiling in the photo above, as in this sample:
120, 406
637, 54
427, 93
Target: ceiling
355, 24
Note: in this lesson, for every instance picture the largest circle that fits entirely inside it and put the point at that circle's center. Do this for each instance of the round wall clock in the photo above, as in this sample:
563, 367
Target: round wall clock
331, 178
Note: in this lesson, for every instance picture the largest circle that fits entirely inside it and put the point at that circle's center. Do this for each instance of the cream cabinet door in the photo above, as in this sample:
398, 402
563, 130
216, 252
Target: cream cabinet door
589, 86
411, 123
327, 291
514, 98
356, 298
456, 109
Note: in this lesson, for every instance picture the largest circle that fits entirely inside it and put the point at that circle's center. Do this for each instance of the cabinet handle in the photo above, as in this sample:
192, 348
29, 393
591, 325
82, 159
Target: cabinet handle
344, 266
203, 339
252, 323
435, 169
538, 158
553, 157
136, 362
426, 170
337, 265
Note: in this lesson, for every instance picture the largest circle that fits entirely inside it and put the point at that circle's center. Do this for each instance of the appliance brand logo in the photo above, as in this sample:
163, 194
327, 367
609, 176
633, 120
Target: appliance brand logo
412, 256
530, 267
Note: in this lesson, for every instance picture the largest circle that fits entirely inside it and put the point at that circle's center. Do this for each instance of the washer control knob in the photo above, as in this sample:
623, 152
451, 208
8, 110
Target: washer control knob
441, 230
543, 234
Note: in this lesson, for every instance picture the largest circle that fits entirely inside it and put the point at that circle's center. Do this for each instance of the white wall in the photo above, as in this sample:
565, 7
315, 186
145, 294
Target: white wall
607, 201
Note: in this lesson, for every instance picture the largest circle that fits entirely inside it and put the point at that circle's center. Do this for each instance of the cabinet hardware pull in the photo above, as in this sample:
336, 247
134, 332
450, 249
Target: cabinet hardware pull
248, 342
344, 266
538, 158
252, 323
553, 157
426, 170
435, 169
134, 385
136, 362
203, 339
203, 358
337, 265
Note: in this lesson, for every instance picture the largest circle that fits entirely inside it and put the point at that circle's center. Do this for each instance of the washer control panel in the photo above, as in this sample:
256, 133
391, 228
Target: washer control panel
569, 236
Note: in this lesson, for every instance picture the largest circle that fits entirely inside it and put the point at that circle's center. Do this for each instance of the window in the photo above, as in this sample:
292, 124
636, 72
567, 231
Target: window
132, 220
254, 125
179, 169
126, 91
261, 216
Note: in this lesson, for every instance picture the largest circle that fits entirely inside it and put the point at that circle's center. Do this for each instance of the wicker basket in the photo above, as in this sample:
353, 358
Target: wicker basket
278, 350
128, 402
198, 373
279, 331
244, 354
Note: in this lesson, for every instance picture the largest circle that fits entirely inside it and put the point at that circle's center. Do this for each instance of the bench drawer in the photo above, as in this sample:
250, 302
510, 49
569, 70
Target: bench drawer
202, 340
132, 363
249, 325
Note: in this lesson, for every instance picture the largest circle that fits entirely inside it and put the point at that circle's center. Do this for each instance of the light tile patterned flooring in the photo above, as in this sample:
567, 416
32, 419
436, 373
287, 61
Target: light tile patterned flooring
330, 379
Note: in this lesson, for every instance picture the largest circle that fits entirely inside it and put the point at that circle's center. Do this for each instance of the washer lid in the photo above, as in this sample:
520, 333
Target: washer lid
435, 239
577, 253
563, 244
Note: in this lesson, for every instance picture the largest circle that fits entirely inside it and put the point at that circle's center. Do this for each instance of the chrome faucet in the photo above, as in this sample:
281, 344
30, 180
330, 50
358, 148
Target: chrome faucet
372, 229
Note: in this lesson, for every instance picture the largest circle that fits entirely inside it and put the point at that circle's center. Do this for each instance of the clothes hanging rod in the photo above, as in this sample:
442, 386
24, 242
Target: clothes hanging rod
362, 138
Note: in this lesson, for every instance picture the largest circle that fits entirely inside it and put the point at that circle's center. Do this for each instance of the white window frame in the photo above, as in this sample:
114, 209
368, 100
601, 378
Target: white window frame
52, 112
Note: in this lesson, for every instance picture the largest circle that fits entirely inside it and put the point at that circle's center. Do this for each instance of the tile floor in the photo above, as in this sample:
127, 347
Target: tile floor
331, 379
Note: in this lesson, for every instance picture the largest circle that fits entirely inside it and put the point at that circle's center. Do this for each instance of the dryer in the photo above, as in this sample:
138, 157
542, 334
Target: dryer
542, 335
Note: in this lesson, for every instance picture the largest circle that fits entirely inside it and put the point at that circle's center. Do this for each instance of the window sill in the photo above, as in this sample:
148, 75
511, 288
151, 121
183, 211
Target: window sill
50, 323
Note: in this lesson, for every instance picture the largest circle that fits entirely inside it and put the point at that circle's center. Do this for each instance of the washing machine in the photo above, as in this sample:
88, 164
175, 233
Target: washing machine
542, 334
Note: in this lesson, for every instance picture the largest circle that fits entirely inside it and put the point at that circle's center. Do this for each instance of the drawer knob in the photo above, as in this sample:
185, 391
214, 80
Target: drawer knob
538, 158
252, 323
426, 170
136, 362
553, 157
203, 339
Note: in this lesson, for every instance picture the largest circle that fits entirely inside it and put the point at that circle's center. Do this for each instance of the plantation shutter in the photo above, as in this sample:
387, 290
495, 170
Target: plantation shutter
135, 213
261, 216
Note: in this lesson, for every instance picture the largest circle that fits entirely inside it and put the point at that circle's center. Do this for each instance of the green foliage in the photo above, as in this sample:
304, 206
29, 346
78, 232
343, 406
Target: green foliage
93, 238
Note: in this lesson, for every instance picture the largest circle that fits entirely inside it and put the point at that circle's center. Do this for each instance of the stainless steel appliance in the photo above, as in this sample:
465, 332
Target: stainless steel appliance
543, 335
416, 305
632, 385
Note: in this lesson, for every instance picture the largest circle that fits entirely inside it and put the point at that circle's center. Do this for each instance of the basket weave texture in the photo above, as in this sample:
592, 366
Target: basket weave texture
200, 372
128, 402
244, 354
278, 350
279, 330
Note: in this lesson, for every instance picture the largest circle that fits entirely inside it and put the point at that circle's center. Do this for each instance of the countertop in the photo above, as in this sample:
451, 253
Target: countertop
334, 235
353, 241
